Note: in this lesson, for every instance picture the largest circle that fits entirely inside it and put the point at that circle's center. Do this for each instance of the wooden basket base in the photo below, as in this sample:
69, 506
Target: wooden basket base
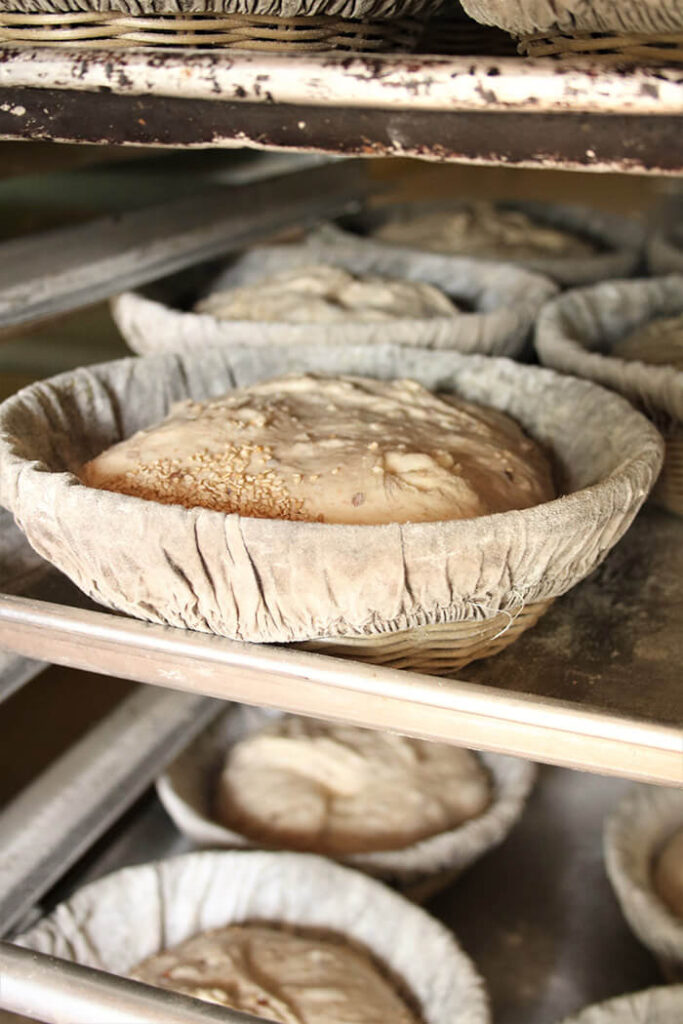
668, 492
230, 31
665, 48
437, 649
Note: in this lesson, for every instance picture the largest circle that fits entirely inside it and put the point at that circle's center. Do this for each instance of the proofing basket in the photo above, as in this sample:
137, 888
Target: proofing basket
619, 241
188, 788
634, 836
504, 302
623, 17
128, 916
653, 1006
282, 581
356, 10
575, 334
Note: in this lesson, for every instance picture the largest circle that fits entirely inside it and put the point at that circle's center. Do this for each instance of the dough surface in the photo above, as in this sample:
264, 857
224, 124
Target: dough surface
481, 229
324, 294
309, 785
279, 976
668, 874
334, 450
659, 342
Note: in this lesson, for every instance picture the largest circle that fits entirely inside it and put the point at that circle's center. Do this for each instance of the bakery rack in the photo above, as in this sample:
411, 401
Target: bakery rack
595, 686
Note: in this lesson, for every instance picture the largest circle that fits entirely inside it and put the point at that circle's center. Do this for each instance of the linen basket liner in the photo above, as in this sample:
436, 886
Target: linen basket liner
622, 240
350, 9
187, 791
661, 1005
634, 834
576, 332
116, 922
665, 251
273, 580
526, 17
506, 301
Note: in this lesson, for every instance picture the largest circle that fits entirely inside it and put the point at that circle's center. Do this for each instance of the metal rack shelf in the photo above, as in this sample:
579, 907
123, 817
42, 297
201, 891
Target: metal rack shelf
596, 685
476, 109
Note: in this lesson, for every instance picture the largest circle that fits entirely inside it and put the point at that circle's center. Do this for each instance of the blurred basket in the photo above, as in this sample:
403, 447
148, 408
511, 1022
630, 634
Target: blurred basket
607, 48
303, 34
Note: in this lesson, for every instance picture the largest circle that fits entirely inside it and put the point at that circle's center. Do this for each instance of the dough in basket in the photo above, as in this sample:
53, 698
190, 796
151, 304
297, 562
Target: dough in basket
668, 874
658, 342
335, 450
324, 294
280, 976
482, 229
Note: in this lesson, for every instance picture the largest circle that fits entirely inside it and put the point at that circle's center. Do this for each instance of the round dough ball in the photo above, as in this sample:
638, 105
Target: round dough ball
332, 450
324, 294
280, 976
483, 230
668, 874
308, 785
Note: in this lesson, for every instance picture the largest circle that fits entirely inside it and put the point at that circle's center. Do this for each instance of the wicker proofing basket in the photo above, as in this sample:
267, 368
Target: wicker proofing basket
281, 581
619, 241
116, 922
187, 790
503, 302
617, 17
634, 835
575, 334
662, 1005
226, 31
607, 47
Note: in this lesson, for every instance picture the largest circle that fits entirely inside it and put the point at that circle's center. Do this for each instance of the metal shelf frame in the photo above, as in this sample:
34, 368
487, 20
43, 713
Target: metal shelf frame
490, 110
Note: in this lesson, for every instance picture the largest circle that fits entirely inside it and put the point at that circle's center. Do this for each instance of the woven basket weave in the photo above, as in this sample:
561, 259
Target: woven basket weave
228, 31
607, 48
439, 649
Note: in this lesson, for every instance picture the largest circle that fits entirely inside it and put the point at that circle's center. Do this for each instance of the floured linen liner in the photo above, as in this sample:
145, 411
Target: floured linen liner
580, 333
665, 250
274, 581
527, 17
331, 450
189, 785
635, 835
668, 874
663, 1005
497, 304
279, 975
481, 229
117, 922
617, 243
324, 294
658, 342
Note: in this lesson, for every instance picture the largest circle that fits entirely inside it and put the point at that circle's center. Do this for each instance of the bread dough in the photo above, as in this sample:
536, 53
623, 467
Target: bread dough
280, 976
336, 789
482, 229
668, 874
658, 342
323, 294
334, 450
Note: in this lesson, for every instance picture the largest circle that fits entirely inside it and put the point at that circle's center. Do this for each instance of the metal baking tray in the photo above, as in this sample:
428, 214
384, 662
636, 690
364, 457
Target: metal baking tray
595, 685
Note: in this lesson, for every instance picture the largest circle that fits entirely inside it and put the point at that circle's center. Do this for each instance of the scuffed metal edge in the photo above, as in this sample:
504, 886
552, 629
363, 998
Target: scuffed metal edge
389, 82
